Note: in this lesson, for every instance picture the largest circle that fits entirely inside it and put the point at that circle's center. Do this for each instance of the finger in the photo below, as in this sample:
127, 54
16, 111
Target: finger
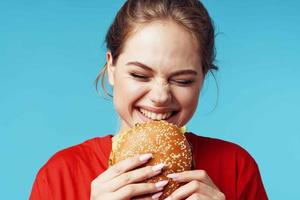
122, 167
134, 176
188, 176
149, 197
197, 196
134, 190
193, 187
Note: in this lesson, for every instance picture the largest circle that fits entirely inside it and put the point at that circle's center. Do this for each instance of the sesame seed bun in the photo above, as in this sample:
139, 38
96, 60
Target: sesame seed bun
164, 140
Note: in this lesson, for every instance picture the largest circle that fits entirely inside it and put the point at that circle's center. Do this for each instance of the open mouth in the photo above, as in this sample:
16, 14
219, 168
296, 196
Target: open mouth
156, 116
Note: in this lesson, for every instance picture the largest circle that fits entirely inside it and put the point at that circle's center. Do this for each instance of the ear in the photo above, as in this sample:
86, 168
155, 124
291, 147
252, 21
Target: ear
110, 68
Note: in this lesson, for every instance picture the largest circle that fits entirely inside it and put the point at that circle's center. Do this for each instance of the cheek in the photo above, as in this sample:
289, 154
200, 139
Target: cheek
188, 98
127, 91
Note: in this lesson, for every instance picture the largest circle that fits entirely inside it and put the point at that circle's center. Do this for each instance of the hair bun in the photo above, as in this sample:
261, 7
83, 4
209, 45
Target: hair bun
164, 140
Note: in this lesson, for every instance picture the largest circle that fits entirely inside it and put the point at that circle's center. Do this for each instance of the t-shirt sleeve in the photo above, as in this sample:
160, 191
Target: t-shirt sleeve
69, 172
56, 180
40, 188
250, 186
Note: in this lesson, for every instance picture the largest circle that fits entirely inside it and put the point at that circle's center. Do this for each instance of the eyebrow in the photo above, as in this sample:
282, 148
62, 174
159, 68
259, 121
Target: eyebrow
179, 72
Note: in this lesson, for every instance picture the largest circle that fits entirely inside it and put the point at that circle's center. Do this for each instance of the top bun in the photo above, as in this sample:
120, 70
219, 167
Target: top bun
164, 140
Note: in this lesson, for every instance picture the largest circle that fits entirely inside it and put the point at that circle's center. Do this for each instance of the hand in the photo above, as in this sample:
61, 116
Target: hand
199, 186
121, 181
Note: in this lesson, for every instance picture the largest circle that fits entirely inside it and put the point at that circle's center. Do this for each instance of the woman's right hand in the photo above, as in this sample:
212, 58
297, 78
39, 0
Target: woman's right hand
121, 181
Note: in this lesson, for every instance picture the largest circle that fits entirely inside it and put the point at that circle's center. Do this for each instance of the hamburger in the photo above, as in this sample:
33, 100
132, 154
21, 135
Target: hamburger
164, 140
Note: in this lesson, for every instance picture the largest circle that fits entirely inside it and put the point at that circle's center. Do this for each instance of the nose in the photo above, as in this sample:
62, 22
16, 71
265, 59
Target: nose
160, 93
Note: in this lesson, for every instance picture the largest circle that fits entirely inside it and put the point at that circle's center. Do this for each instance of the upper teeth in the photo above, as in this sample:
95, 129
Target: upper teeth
155, 116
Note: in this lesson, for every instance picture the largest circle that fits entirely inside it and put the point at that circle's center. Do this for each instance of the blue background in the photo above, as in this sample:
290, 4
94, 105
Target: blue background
51, 52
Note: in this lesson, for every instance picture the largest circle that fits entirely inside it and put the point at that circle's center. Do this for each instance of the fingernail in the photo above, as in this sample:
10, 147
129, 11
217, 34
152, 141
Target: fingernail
161, 184
145, 157
156, 196
169, 198
158, 167
173, 176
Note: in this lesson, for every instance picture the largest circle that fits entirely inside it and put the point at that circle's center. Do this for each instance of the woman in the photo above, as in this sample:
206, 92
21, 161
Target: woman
158, 54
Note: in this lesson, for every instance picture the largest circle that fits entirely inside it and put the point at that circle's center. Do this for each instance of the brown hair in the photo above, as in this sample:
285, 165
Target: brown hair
190, 14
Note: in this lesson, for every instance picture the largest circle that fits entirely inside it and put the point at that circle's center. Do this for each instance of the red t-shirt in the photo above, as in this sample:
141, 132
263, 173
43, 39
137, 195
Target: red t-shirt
69, 173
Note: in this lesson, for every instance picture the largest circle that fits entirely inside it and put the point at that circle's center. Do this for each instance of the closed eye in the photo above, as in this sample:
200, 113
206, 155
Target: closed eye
183, 82
139, 76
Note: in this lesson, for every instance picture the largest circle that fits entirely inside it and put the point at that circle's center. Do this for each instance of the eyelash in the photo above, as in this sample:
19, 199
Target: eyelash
183, 82
138, 76
178, 82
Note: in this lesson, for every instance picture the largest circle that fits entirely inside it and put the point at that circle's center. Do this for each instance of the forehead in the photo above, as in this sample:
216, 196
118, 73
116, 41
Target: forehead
162, 44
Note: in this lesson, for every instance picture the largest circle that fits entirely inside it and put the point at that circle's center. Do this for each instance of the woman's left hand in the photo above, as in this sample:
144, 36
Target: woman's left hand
198, 186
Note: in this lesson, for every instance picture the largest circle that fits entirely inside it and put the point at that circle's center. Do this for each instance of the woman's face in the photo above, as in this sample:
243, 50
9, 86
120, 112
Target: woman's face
158, 75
